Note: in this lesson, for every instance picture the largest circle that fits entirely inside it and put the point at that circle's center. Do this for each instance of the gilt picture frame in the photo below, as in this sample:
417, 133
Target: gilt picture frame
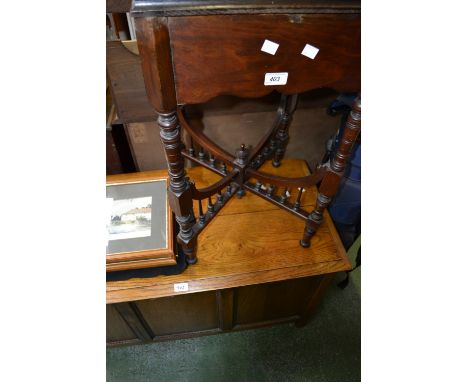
139, 225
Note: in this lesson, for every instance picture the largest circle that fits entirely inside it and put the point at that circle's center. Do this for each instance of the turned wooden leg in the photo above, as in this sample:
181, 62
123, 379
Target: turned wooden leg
180, 197
335, 171
154, 47
186, 237
315, 219
288, 107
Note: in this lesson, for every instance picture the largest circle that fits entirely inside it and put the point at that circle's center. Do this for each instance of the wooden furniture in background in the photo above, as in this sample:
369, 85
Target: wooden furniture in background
264, 279
118, 6
192, 51
128, 98
126, 84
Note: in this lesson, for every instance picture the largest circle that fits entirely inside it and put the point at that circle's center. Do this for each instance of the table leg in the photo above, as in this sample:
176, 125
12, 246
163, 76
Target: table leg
154, 47
180, 197
335, 172
288, 106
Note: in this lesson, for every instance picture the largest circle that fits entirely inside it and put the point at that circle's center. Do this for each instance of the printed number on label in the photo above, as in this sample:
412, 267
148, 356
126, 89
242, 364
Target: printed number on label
181, 287
276, 78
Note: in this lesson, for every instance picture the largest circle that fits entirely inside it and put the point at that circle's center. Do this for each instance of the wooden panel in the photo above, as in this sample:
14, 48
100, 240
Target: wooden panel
315, 299
203, 7
257, 248
272, 301
116, 327
215, 55
132, 317
225, 302
149, 152
123, 147
127, 85
118, 6
179, 314
155, 54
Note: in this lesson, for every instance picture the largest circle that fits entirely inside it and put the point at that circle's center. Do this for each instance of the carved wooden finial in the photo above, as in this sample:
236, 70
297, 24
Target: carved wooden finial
242, 155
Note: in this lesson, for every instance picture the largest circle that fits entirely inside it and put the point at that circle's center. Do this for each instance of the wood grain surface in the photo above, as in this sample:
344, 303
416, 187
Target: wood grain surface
218, 7
250, 242
214, 55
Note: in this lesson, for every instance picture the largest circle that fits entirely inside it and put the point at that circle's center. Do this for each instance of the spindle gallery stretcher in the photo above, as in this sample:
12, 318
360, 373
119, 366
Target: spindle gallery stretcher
193, 51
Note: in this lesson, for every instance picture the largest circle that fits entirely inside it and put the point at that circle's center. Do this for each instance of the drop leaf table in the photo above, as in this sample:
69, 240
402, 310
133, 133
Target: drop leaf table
193, 51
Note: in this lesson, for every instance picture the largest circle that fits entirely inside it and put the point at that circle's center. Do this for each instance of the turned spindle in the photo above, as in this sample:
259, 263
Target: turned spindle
201, 216
191, 149
285, 195
297, 204
220, 196
223, 168
212, 160
210, 205
201, 154
270, 190
289, 104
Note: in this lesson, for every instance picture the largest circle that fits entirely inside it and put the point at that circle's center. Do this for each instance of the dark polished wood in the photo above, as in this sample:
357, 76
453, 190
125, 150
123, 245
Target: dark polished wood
335, 171
155, 54
239, 7
118, 6
121, 141
203, 140
216, 55
193, 51
225, 303
288, 107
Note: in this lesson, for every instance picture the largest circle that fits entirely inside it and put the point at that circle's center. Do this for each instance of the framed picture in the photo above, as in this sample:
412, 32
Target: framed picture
139, 222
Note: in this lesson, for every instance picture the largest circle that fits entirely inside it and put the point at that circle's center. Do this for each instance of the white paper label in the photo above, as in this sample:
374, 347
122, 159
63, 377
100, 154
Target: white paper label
310, 51
276, 78
181, 287
270, 47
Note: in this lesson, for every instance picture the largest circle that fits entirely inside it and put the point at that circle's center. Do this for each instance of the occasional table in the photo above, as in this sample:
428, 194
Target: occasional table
193, 51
